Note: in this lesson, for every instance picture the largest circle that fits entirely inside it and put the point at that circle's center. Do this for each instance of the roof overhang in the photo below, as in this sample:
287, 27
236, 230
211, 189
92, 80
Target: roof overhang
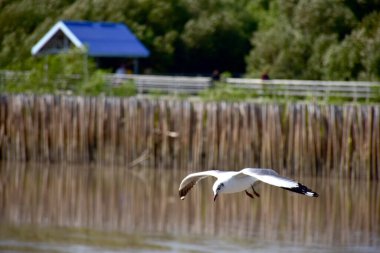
60, 26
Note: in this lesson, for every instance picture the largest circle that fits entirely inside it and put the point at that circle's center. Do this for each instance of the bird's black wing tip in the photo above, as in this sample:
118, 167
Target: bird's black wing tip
301, 189
184, 190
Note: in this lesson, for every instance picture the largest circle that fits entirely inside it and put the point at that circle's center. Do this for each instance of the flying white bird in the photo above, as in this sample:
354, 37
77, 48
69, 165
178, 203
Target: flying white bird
244, 180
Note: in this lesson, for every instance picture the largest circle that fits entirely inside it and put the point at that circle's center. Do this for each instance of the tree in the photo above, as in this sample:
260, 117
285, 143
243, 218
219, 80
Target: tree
358, 56
317, 40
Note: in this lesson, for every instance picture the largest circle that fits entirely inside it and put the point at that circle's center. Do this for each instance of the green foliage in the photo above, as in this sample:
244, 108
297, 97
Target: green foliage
226, 92
94, 86
358, 55
218, 35
282, 50
300, 39
323, 17
183, 36
127, 89
51, 73
20, 20
66, 72
335, 40
97, 85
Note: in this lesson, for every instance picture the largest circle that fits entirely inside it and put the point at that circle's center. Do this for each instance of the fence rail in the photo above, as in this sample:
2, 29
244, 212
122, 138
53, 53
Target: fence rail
169, 84
283, 87
193, 85
278, 87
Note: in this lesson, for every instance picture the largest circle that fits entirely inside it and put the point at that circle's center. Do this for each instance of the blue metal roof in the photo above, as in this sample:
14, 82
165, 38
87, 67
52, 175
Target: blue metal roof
107, 39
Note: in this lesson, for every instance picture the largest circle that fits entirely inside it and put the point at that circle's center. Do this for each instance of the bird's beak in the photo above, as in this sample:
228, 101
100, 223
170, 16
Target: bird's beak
215, 196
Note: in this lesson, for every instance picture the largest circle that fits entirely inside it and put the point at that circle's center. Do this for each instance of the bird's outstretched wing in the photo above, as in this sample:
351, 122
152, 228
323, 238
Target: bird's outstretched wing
190, 180
271, 177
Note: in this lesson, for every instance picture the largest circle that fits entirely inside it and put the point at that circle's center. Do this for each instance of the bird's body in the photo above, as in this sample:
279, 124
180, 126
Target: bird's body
244, 180
240, 183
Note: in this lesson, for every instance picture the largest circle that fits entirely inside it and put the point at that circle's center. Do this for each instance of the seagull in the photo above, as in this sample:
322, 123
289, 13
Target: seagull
243, 180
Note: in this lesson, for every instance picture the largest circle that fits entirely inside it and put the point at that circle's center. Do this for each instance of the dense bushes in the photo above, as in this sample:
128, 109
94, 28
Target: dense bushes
301, 39
332, 40
69, 72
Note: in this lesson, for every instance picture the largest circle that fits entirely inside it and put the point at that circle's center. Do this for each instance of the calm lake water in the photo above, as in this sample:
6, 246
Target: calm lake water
62, 208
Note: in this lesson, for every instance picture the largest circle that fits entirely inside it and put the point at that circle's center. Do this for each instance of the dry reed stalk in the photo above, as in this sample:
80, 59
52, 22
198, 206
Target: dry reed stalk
311, 128
357, 128
256, 131
8, 129
235, 131
223, 146
91, 129
100, 128
134, 128
365, 172
375, 152
337, 137
163, 128
330, 139
2, 122
264, 159
197, 136
81, 132
318, 133
243, 146
211, 135
172, 133
360, 137
15, 131
278, 138
281, 136
125, 134
136, 122
227, 151
113, 125
149, 132
298, 140
290, 137
304, 157
346, 140
185, 135
30, 134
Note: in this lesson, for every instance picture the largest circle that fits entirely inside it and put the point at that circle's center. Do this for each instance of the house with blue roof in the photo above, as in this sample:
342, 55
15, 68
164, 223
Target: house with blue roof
110, 44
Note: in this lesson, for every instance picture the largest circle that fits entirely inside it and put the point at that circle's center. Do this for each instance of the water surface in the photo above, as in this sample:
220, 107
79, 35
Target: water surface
46, 208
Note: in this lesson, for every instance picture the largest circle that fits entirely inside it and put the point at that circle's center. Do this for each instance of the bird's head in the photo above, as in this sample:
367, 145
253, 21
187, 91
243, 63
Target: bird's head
217, 188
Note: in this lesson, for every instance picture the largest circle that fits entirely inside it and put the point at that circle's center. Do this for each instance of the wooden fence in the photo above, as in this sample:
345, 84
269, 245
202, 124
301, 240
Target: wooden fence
304, 139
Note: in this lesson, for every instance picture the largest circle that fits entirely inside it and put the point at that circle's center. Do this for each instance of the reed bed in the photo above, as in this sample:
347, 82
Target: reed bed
146, 201
297, 138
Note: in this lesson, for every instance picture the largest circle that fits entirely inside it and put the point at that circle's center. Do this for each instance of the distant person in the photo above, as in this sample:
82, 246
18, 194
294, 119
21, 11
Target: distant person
265, 76
215, 75
121, 69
